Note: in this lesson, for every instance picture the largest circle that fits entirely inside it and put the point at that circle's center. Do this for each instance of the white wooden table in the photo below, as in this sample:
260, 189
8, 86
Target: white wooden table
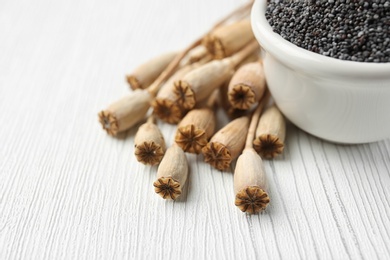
69, 191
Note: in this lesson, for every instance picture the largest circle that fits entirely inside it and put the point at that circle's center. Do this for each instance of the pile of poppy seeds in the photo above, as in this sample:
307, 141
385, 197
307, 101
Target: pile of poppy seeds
355, 30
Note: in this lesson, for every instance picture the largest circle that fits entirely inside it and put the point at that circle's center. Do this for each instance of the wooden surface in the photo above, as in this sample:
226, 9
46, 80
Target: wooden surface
69, 191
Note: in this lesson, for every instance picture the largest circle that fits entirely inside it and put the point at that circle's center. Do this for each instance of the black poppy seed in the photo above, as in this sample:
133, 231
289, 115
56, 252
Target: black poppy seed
357, 30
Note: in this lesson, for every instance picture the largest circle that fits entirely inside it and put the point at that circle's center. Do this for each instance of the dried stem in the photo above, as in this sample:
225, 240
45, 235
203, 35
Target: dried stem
255, 119
151, 119
212, 99
153, 89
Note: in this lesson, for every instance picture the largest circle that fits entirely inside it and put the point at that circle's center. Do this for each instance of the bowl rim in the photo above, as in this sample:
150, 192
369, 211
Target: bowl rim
307, 61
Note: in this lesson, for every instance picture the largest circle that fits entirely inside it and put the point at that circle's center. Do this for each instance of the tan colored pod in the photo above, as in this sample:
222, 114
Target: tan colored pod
253, 57
229, 39
165, 106
250, 185
126, 112
226, 144
230, 111
198, 85
149, 144
146, 73
171, 174
195, 129
247, 86
270, 133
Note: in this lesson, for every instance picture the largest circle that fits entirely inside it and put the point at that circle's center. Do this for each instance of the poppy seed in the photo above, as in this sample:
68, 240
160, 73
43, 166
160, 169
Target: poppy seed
355, 30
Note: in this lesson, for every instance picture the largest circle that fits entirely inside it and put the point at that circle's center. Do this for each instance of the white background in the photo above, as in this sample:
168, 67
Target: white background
67, 190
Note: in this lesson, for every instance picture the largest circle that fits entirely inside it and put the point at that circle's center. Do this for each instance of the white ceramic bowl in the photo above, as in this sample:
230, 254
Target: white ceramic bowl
340, 101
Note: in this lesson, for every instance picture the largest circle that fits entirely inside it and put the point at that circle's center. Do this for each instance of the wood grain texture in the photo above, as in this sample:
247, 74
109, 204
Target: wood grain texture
69, 191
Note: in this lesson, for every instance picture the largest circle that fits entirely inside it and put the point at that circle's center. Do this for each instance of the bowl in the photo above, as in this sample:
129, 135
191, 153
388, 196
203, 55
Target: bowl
336, 100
